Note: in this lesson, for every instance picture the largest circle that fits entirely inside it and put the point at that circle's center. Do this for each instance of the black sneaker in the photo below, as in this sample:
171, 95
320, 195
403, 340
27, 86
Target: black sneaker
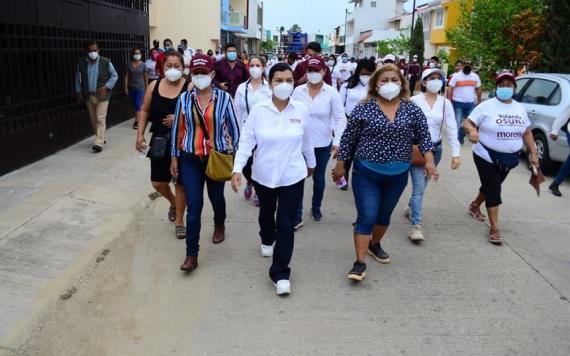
358, 271
317, 215
97, 148
554, 189
378, 253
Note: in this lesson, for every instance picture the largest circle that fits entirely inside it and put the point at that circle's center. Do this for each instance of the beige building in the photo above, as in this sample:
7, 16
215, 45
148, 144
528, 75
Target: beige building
196, 21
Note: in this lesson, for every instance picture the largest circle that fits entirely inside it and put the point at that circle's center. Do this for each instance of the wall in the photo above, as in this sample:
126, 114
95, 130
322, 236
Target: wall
197, 21
42, 42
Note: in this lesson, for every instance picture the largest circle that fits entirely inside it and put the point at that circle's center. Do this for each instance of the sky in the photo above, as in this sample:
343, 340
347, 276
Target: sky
313, 16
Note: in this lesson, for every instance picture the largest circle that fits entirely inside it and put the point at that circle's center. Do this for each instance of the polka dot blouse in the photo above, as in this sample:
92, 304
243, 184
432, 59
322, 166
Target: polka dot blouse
370, 136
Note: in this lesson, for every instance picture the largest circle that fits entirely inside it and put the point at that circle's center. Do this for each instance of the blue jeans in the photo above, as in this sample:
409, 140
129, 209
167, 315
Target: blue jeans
462, 111
322, 154
277, 210
376, 196
565, 169
193, 175
419, 185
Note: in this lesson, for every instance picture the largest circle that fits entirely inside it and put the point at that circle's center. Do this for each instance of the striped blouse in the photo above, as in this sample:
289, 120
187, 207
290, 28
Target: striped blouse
220, 119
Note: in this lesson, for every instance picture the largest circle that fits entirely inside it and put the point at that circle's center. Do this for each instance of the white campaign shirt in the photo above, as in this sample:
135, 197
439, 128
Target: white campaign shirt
351, 97
501, 127
335, 76
435, 121
346, 70
284, 148
327, 114
464, 86
254, 97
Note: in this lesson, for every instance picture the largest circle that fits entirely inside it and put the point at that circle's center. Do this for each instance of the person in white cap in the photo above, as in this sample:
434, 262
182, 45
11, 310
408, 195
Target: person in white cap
438, 111
389, 58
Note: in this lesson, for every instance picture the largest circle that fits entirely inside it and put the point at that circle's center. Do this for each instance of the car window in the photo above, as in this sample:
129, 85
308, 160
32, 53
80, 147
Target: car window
540, 92
521, 83
556, 97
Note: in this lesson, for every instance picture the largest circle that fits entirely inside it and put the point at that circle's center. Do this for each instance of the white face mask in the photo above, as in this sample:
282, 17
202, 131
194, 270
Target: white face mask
173, 74
330, 63
431, 64
314, 77
255, 72
283, 91
364, 79
201, 81
137, 57
389, 91
93, 55
434, 86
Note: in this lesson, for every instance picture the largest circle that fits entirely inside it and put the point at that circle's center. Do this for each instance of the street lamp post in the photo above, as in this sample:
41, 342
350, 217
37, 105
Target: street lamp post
345, 23
412, 33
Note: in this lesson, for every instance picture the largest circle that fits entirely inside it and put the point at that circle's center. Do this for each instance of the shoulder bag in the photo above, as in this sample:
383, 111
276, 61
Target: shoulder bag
220, 165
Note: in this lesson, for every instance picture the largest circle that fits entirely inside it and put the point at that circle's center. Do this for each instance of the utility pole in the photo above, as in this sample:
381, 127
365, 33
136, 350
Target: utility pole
412, 33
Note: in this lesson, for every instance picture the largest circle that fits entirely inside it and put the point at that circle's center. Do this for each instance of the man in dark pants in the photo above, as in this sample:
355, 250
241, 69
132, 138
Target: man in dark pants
94, 81
413, 73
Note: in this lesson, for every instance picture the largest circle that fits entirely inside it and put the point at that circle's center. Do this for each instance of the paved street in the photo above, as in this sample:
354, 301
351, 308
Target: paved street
89, 266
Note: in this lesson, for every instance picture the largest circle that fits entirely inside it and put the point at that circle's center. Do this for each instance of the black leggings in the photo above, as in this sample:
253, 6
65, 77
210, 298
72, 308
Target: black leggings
491, 177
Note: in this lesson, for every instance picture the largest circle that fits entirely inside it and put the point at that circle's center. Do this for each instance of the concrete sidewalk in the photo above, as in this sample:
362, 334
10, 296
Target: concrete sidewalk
455, 294
57, 213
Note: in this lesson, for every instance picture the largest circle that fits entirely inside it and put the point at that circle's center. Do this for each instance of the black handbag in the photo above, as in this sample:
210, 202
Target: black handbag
159, 147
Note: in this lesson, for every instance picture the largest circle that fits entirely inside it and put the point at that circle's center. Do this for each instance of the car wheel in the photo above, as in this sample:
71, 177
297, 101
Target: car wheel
547, 165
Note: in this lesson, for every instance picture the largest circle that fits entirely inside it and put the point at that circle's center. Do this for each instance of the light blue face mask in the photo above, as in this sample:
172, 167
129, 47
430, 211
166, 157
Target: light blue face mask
344, 59
505, 93
232, 56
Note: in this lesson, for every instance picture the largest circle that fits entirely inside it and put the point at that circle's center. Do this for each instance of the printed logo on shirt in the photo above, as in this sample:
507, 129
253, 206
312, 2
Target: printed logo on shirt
510, 120
295, 121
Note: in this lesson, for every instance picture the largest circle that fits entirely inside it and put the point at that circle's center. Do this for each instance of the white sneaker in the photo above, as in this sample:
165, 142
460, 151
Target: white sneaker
283, 287
266, 250
416, 234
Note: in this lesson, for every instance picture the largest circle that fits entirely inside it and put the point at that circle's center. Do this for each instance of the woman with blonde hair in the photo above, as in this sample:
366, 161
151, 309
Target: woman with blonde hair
379, 139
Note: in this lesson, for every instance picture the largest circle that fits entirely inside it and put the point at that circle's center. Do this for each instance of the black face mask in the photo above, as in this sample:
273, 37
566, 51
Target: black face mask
467, 69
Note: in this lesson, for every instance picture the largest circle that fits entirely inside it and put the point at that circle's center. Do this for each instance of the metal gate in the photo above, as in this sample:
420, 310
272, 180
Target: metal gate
41, 42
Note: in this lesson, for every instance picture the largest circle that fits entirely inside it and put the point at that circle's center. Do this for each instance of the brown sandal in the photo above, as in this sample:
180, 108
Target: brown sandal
495, 237
476, 213
172, 213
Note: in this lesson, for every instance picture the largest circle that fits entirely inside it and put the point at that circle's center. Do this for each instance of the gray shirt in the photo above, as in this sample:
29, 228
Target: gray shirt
136, 76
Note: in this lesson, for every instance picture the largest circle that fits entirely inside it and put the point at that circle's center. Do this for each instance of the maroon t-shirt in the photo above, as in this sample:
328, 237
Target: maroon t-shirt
232, 77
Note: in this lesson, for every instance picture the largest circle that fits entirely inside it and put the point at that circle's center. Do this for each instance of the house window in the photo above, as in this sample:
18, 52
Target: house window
373, 4
439, 15
397, 24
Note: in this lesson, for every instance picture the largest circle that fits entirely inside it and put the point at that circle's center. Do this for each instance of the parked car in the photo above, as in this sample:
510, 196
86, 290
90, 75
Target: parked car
545, 97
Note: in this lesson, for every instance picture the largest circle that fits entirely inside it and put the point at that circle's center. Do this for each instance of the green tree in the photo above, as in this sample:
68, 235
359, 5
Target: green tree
484, 32
268, 45
555, 48
397, 46
417, 41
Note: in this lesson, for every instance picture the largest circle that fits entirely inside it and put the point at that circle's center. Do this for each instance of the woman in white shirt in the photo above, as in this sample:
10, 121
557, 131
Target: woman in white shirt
438, 110
498, 128
278, 127
351, 93
327, 123
248, 94
335, 72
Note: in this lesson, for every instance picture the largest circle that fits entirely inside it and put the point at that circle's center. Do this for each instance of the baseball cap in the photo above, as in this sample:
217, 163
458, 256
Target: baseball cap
505, 75
426, 73
201, 63
316, 63
390, 57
